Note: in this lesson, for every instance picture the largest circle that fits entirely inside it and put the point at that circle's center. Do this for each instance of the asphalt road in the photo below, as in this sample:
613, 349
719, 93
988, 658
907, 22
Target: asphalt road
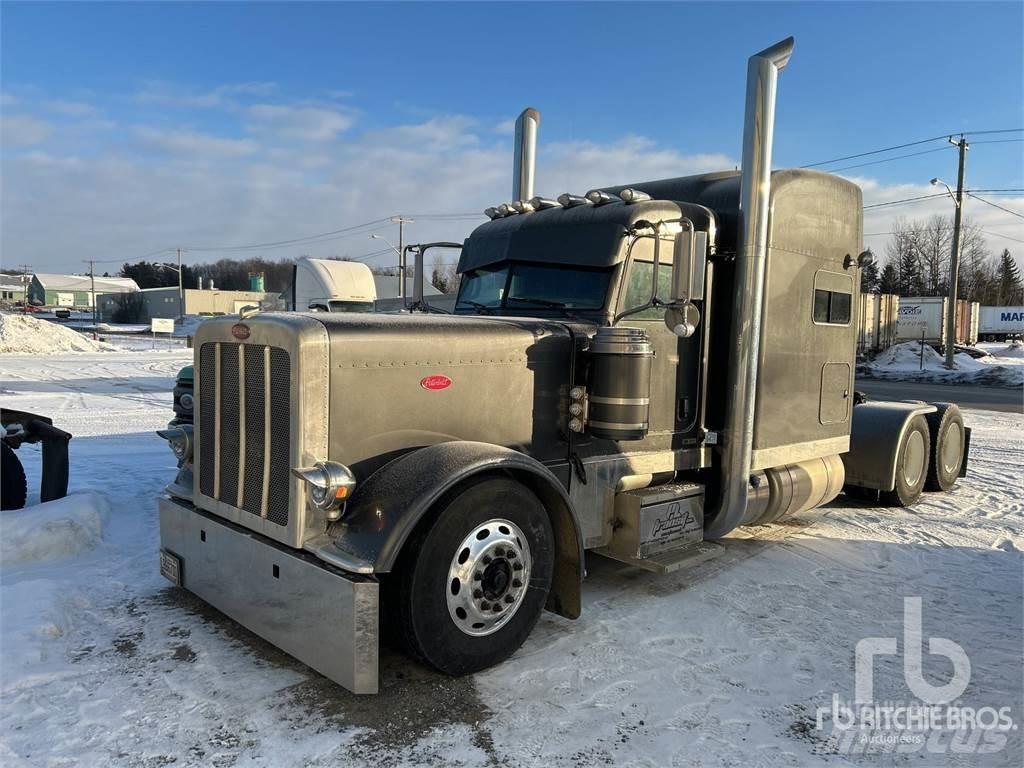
966, 396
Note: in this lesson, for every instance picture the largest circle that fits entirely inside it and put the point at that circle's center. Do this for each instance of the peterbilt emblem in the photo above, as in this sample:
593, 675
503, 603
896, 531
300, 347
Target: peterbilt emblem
435, 382
240, 331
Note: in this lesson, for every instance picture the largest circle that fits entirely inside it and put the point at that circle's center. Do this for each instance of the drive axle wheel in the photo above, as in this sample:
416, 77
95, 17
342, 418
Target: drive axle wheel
911, 465
475, 579
12, 477
946, 427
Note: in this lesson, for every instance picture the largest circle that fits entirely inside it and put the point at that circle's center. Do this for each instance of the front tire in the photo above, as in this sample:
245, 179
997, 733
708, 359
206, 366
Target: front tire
13, 486
911, 465
475, 578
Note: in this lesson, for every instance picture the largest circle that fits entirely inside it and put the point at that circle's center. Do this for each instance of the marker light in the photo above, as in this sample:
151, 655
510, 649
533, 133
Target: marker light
506, 209
571, 201
631, 196
522, 206
541, 203
599, 197
492, 213
180, 440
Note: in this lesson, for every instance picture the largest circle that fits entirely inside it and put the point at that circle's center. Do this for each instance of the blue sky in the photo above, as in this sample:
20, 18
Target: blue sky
139, 126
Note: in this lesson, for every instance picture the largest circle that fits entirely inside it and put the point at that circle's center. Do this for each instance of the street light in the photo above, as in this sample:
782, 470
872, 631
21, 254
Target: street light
401, 264
954, 261
936, 181
181, 290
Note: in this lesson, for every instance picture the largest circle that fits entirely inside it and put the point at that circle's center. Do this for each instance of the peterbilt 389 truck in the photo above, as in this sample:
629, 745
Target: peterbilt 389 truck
636, 372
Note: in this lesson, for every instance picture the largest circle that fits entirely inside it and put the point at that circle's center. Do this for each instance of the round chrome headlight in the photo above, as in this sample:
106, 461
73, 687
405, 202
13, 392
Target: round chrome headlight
329, 486
186, 401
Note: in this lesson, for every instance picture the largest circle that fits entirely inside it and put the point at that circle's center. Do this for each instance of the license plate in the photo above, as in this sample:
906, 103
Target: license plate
170, 567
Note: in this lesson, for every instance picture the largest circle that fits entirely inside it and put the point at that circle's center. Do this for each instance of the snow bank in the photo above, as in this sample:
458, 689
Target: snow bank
27, 335
1014, 349
904, 362
54, 530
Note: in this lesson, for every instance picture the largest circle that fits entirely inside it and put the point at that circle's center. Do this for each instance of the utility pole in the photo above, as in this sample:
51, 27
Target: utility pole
24, 286
401, 221
181, 291
954, 266
92, 292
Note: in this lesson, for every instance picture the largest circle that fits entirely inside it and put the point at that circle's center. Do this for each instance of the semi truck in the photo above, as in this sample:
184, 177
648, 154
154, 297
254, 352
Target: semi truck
330, 285
1001, 323
636, 372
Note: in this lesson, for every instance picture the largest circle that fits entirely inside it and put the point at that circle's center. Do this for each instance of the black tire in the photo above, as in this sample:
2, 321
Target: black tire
13, 486
909, 460
425, 625
946, 426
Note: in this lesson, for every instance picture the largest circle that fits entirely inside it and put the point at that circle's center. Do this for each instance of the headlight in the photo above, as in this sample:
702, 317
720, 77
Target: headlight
180, 439
186, 401
329, 486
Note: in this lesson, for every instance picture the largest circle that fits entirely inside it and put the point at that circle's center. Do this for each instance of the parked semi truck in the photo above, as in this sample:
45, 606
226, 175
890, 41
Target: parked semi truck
1001, 323
635, 371
330, 285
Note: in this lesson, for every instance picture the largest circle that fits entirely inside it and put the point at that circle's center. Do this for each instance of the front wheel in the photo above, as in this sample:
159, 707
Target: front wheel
475, 579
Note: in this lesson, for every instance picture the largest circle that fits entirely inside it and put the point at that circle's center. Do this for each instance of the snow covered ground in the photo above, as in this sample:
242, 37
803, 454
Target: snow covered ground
1002, 367
104, 663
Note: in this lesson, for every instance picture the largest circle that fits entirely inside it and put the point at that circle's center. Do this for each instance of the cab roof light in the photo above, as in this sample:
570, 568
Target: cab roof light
492, 213
506, 209
600, 197
542, 203
630, 196
523, 206
572, 201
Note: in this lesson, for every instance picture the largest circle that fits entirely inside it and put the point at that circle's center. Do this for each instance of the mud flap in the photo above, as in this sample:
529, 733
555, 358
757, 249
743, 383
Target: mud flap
322, 616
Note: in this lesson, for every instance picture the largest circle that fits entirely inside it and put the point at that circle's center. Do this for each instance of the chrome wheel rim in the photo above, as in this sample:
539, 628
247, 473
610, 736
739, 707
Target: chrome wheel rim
952, 448
488, 577
913, 459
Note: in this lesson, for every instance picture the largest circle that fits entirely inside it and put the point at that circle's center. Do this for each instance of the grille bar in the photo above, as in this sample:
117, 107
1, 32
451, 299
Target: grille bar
245, 428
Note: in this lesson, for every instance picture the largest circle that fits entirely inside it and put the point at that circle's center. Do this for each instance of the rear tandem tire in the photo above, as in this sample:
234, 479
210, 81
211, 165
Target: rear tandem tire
911, 465
471, 542
13, 486
946, 428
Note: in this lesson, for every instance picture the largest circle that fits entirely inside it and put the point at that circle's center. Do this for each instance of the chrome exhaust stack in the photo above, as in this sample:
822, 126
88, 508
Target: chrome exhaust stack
525, 160
751, 256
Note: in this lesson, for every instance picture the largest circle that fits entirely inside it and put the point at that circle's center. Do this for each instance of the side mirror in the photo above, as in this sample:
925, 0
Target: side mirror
688, 264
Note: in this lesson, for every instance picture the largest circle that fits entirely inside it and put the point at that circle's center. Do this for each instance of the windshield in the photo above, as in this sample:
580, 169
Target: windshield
521, 285
351, 306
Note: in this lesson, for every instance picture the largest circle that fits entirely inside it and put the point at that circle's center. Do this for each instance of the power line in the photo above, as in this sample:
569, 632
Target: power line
296, 240
996, 205
887, 160
998, 141
905, 200
1002, 191
911, 144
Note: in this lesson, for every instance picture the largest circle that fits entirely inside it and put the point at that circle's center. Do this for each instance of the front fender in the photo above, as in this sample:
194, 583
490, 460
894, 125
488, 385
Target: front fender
388, 505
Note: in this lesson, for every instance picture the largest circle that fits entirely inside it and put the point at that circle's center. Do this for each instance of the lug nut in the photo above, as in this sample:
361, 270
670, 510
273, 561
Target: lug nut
517, 583
497, 608
511, 554
487, 559
509, 599
485, 606
499, 552
478, 576
517, 566
478, 593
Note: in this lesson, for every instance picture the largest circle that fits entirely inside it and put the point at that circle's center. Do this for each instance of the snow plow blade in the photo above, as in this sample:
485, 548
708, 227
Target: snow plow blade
324, 617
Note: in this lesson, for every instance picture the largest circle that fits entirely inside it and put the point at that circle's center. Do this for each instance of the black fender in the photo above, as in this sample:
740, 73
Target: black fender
876, 433
391, 502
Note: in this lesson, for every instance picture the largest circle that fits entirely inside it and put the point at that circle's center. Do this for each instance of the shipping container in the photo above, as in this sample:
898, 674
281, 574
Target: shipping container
1000, 323
879, 315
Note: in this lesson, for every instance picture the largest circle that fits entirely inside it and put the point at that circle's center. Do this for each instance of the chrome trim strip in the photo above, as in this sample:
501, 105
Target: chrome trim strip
610, 425
216, 420
265, 495
241, 426
620, 400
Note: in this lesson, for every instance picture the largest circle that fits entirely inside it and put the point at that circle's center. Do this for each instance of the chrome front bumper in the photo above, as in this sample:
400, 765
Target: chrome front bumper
323, 617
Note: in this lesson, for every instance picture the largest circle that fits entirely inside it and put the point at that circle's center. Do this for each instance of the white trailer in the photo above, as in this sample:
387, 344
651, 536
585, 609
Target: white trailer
925, 317
1000, 323
328, 285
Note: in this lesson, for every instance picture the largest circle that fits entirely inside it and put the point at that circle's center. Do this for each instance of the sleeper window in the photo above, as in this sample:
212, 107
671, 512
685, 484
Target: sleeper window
832, 307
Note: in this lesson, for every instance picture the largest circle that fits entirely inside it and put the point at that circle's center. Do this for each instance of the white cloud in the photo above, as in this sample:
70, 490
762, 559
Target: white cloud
172, 94
23, 130
298, 122
71, 108
7, 99
195, 145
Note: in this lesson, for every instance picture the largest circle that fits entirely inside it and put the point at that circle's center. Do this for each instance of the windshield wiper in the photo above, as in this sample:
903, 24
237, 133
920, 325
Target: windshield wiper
482, 308
539, 302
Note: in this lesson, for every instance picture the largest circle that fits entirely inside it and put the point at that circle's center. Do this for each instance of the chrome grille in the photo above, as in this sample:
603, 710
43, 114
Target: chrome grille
253, 382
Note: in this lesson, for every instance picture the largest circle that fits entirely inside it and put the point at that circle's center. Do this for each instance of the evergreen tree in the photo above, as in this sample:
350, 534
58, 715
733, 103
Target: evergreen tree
869, 277
911, 281
1008, 281
889, 281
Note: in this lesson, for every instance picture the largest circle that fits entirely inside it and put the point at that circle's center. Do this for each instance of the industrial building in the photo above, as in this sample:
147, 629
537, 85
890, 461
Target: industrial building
47, 290
164, 302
